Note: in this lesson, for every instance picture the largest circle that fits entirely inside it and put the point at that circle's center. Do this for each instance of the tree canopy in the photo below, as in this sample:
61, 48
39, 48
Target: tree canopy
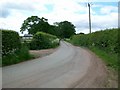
35, 24
66, 29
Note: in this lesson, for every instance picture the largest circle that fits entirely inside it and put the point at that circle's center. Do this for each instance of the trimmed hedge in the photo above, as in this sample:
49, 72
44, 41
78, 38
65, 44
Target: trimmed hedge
10, 42
106, 40
43, 40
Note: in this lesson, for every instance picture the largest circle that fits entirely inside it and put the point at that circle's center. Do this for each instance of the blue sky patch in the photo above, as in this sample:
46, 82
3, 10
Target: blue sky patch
49, 7
99, 5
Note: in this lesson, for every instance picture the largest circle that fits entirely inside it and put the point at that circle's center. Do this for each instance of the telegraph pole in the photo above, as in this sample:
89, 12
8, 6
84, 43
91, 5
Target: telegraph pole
89, 17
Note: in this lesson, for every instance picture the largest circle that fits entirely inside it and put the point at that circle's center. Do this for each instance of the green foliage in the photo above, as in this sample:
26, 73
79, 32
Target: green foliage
65, 29
106, 40
10, 42
75, 39
35, 24
104, 43
111, 60
21, 55
43, 40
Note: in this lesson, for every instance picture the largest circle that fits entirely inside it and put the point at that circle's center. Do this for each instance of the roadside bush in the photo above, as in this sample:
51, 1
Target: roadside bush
20, 55
10, 42
12, 50
106, 40
43, 40
103, 43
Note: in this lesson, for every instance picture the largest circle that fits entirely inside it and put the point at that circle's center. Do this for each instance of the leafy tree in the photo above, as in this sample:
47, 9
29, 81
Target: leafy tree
43, 25
30, 24
34, 24
65, 29
52, 30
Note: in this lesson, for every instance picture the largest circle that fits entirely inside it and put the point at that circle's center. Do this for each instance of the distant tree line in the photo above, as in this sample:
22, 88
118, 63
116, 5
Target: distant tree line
34, 24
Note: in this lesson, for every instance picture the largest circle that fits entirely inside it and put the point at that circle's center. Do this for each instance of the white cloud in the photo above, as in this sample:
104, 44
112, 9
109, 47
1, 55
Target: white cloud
13, 22
72, 10
108, 9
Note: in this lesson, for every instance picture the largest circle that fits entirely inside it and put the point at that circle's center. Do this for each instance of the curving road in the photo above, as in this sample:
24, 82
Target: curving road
68, 67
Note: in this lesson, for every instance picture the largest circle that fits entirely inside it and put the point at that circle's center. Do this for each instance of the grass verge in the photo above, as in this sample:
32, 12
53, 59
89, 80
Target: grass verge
19, 56
22, 55
111, 60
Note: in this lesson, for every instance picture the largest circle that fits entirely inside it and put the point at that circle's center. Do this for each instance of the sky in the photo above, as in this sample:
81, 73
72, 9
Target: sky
104, 13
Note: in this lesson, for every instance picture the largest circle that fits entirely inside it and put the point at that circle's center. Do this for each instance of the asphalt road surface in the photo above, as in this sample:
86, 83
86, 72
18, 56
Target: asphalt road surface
68, 67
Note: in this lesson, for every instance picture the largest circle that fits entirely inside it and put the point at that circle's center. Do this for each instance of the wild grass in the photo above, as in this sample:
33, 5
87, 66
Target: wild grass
19, 56
103, 43
111, 60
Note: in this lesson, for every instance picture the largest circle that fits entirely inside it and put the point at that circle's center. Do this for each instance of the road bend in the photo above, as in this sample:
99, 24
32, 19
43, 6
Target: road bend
68, 67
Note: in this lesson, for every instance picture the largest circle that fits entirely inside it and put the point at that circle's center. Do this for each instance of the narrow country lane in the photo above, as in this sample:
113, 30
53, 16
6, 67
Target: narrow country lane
68, 67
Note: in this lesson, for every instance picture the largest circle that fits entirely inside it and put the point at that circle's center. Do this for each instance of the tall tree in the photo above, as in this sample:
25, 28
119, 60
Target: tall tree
66, 29
34, 24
